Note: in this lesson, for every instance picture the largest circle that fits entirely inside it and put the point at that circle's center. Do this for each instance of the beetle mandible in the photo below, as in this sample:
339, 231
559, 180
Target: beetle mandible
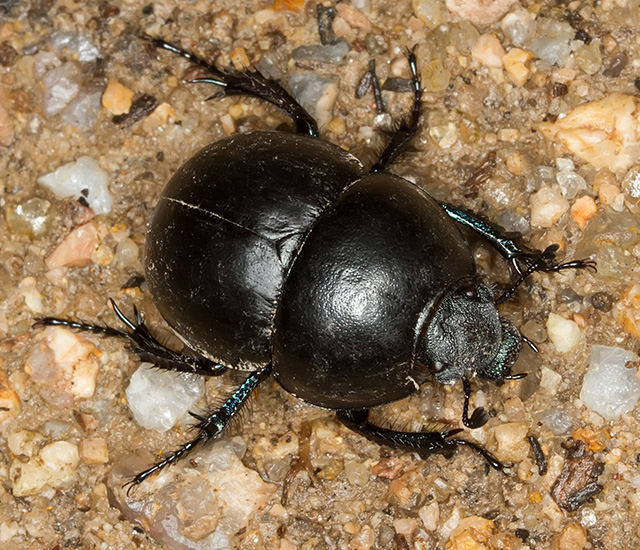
279, 254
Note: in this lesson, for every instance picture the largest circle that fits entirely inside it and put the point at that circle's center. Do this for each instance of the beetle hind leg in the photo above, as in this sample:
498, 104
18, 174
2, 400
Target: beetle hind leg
247, 82
424, 443
144, 344
209, 426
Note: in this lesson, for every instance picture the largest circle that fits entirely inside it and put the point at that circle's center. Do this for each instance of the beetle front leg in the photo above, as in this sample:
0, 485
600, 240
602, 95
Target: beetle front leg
522, 259
249, 82
423, 443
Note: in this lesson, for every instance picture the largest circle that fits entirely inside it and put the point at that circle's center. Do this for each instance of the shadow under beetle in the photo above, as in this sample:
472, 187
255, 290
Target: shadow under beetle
279, 254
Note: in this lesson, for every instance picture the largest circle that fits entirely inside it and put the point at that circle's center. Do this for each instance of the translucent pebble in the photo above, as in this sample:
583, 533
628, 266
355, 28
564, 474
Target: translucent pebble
463, 36
76, 43
428, 11
557, 420
32, 217
61, 85
588, 57
81, 178
570, 183
435, 77
331, 53
316, 93
519, 26
551, 42
158, 399
609, 387
565, 165
512, 221
84, 108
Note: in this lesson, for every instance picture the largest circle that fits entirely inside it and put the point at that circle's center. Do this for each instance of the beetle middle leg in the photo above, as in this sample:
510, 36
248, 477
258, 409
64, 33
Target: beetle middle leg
422, 442
144, 344
249, 82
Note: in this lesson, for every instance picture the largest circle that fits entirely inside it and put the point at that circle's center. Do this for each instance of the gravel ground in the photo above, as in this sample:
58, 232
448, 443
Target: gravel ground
500, 135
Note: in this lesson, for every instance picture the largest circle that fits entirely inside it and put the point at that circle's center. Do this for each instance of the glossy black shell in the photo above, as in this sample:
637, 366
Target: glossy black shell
272, 247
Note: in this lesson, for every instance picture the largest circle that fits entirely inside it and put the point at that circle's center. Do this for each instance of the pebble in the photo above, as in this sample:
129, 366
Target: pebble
547, 206
10, 404
355, 18
563, 333
557, 420
316, 93
480, 12
78, 44
61, 85
54, 466
627, 310
241, 492
511, 439
428, 11
93, 450
517, 65
572, 537
158, 399
519, 26
609, 387
550, 380
331, 53
83, 110
570, 183
76, 249
64, 366
7, 133
117, 98
32, 217
472, 533
605, 133
31, 295
82, 178
551, 42
430, 514
435, 77
488, 51
582, 210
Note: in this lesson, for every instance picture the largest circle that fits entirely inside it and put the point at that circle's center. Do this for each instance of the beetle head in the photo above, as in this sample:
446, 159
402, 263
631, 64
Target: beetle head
467, 336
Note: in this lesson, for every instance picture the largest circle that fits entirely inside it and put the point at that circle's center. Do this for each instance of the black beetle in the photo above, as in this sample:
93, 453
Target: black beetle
279, 254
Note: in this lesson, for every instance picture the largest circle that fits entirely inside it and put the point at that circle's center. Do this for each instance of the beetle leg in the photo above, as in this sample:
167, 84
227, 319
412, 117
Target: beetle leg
522, 259
479, 417
249, 82
209, 427
423, 443
145, 345
408, 127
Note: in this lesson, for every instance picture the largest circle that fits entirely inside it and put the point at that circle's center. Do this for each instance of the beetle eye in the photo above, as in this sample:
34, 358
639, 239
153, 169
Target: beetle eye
438, 367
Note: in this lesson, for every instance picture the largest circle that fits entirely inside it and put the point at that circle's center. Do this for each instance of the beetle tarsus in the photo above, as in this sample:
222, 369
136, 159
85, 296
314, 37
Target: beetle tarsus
408, 127
479, 417
247, 82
